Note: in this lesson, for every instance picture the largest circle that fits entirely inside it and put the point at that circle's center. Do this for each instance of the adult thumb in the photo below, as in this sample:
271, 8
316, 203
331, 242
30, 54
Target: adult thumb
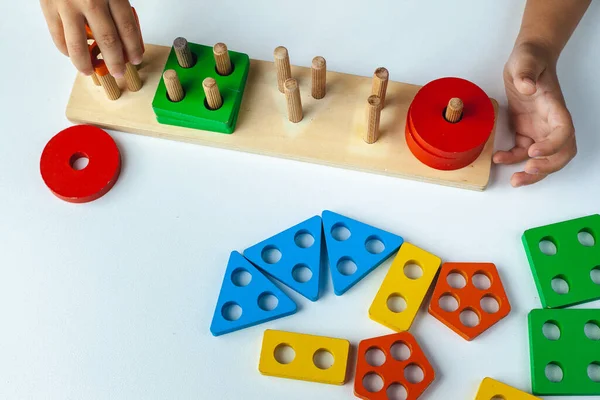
526, 72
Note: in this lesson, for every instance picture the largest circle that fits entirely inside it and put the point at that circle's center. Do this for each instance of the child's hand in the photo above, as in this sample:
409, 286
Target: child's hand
544, 129
112, 22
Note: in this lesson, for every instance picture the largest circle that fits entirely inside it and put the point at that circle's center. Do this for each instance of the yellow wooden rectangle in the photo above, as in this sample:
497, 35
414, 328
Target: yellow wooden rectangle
492, 389
330, 133
302, 366
397, 283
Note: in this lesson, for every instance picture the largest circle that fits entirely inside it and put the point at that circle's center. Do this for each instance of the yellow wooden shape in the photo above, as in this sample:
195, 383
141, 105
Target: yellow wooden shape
303, 366
493, 389
397, 284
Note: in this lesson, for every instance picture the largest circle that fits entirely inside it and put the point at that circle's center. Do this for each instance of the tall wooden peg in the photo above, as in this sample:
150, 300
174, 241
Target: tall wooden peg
109, 83
213, 96
183, 52
282, 63
222, 60
373, 117
380, 84
173, 85
294, 102
132, 78
95, 79
319, 77
454, 110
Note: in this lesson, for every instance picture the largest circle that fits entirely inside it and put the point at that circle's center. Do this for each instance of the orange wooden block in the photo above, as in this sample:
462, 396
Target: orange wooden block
469, 298
397, 362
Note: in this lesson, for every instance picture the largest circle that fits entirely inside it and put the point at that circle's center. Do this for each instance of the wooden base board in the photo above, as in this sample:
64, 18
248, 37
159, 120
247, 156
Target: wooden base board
330, 133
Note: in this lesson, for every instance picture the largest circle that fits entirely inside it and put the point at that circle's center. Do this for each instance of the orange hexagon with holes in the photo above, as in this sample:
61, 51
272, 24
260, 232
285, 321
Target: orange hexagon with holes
392, 366
469, 298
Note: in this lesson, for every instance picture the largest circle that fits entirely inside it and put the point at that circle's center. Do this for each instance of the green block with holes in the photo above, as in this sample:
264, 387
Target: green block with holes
565, 361
576, 262
192, 111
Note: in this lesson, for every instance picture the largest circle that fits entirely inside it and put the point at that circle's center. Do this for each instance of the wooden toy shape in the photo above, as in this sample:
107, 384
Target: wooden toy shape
395, 367
470, 297
411, 289
491, 389
381, 77
354, 249
449, 144
308, 363
247, 298
331, 134
564, 347
293, 257
282, 66
373, 119
57, 164
319, 77
293, 100
564, 258
193, 110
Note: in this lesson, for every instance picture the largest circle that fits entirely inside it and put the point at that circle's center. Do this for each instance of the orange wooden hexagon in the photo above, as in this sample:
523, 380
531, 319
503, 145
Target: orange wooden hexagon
393, 369
469, 298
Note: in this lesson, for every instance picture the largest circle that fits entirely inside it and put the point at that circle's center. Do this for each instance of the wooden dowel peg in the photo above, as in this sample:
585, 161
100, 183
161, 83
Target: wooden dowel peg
95, 79
183, 52
213, 96
294, 102
319, 77
109, 83
373, 117
222, 60
173, 85
454, 110
132, 78
381, 77
282, 63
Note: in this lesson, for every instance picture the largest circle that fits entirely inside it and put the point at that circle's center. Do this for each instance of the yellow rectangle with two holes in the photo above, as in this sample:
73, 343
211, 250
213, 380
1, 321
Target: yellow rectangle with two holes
397, 285
492, 389
311, 358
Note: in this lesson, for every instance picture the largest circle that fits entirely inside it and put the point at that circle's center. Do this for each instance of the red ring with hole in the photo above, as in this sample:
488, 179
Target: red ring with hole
89, 183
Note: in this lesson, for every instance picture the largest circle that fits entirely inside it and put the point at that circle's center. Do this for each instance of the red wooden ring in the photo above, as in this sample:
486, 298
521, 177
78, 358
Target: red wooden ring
441, 137
89, 183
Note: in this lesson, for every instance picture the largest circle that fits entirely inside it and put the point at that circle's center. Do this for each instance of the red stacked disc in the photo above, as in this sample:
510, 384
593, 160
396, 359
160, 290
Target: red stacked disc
445, 145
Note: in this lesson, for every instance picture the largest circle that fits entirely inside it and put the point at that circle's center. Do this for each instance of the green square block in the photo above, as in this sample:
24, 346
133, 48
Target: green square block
573, 347
192, 112
573, 262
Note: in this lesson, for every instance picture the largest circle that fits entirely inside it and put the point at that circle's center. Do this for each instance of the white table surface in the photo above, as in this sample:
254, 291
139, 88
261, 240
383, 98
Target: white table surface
113, 299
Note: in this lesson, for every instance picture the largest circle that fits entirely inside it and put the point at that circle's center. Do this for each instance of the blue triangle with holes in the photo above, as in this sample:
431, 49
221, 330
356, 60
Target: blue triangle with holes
247, 298
293, 257
355, 249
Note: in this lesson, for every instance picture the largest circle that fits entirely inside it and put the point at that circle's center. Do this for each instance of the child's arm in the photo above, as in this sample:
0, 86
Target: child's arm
112, 22
545, 135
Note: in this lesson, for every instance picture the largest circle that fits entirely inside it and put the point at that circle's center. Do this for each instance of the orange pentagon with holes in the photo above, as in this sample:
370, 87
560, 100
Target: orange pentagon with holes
469, 298
391, 366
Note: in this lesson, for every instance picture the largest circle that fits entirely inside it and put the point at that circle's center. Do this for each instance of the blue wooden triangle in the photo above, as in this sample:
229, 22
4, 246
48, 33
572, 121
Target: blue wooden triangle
245, 287
354, 249
295, 256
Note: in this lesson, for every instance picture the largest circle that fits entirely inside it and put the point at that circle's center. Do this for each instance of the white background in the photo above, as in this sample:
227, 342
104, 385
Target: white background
113, 299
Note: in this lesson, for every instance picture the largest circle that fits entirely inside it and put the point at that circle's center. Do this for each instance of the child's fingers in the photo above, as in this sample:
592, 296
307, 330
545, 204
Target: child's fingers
76, 41
101, 23
55, 27
128, 29
523, 179
546, 166
516, 154
556, 140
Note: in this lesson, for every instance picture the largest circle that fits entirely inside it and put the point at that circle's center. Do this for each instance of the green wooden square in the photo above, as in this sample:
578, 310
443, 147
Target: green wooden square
567, 341
192, 111
574, 262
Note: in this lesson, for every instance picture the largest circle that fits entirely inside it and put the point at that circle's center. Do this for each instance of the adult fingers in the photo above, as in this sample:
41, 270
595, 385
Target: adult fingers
515, 155
524, 179
102, 25
552, 164
76, 41
128, 30
55, 27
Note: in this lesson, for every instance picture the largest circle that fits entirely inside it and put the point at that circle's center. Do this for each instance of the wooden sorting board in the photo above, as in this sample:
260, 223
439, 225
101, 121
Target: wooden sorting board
330, 133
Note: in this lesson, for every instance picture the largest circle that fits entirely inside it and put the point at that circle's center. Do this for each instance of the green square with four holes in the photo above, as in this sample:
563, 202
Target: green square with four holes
565, 261
192, 111
564, 348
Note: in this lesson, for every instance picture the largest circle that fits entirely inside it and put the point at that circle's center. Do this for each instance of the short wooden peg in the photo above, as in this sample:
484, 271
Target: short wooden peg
213, 96
380, 84
132, 78
373, 117
294, 102
109, 83
222, 60
183, 53
454, 110
95, 79
173, 85
282, 63
319, 77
